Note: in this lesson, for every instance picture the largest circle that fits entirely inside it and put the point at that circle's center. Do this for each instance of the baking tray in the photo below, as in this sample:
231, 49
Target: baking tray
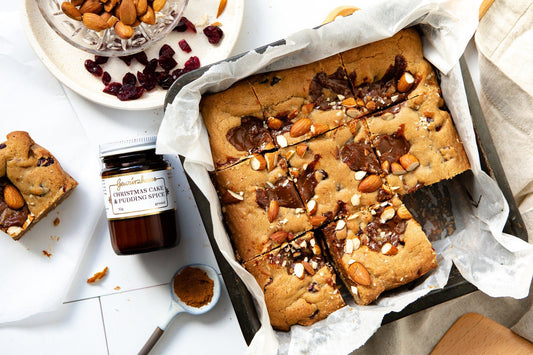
456, 286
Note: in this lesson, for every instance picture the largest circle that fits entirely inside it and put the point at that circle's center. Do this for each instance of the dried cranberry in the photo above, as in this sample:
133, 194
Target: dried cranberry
191, 64
147, 81
98, 59
3, 145
166, 51
139, 91
126, 92
150, 67
112, 88
127, 59
106, 78
213, 33
129, 78
93, 68
185, 46
167, 63
177, 73
184, 24
165, 80
141, 58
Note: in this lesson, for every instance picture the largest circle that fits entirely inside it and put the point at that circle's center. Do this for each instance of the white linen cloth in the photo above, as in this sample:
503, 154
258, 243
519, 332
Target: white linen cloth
34, 101
505, 44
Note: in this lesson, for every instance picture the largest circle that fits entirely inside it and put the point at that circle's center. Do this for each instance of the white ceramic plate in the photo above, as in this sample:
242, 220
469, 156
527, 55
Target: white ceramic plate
66, 62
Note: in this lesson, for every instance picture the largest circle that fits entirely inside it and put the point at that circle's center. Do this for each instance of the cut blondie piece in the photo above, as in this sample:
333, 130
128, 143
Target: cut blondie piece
299, 285
235, 124
305, 101
337, 173
418, 144
378, 249
389, 71
261, 206
32, 183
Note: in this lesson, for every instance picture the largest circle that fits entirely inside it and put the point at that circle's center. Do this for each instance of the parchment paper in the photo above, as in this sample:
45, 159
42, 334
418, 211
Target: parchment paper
498, 264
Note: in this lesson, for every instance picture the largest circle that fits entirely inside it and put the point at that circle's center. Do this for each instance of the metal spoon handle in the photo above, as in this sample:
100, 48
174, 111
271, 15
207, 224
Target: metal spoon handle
151, 342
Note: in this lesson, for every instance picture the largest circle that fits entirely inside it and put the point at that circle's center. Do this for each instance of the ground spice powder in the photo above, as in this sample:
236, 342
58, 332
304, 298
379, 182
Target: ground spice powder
194, 287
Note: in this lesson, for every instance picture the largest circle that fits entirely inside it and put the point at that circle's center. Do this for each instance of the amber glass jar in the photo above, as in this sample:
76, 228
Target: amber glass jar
139, 197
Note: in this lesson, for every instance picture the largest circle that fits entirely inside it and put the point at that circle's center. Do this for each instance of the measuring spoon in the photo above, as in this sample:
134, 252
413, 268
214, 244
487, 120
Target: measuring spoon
177, 306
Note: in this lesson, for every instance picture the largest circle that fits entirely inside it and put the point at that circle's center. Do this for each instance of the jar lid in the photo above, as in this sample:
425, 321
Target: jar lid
127, 146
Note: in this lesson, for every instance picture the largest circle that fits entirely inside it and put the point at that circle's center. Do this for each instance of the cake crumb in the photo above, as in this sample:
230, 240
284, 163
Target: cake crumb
56, 221
97, 276
47, 253
117, 288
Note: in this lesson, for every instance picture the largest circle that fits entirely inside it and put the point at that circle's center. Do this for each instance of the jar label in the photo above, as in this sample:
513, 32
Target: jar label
138, 194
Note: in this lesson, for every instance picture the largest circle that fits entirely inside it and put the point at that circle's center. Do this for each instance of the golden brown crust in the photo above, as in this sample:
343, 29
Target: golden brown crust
294, 293
37, 174
408, 259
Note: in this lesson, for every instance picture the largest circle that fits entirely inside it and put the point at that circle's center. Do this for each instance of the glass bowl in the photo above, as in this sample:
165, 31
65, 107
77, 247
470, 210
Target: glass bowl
107, 43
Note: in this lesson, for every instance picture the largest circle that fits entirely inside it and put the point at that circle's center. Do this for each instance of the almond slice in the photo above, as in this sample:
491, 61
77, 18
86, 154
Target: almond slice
273, 210
406, 82
301, 149
403, 212
409, 162
258, 162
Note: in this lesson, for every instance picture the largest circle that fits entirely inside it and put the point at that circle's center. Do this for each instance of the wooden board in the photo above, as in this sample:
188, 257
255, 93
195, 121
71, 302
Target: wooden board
475, 334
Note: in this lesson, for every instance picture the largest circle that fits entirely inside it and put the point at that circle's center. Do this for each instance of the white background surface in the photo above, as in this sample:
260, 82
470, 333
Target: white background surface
97, 319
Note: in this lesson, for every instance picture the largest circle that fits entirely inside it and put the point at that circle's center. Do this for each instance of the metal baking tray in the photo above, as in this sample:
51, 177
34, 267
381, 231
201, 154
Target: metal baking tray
456, 286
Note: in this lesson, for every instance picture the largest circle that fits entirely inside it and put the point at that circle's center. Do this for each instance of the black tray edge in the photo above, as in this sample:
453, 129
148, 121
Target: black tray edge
457, 286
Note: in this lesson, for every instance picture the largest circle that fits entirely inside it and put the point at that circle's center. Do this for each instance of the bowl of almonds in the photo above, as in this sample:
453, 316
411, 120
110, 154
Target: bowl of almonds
112, 27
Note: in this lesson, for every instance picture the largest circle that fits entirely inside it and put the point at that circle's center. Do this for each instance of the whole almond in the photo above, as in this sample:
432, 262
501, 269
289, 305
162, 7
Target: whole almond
76, 2
359, 274
273, 210
370, 184
158, 5
12, 197
385, 166
94, 22
141, 6
91, 6
71, 11
124, 31
149, 16
279, 237
301, 127
128, 12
